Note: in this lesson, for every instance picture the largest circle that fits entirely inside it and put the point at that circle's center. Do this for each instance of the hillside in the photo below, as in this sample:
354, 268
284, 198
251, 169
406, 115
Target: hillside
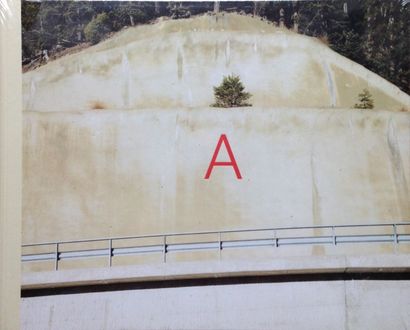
175, 64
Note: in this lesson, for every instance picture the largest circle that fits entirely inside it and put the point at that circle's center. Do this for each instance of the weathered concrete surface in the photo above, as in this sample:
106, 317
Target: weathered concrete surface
217, 269
120, 172
142, 172
175, 64
298, 305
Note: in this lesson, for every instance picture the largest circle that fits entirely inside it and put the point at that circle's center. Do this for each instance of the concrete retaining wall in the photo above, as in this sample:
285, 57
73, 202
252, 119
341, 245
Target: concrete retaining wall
299, 305
101, 174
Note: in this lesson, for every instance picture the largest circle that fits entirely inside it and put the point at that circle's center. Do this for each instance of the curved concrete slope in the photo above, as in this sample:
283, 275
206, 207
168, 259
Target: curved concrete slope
175, 64
119, 173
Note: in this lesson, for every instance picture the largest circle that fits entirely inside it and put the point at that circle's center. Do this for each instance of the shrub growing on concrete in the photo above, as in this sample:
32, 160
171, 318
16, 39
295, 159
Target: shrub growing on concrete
231, 93
366, 100
98, 27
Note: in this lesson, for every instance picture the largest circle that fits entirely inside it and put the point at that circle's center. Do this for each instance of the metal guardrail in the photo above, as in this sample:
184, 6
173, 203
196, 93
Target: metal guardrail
274, 237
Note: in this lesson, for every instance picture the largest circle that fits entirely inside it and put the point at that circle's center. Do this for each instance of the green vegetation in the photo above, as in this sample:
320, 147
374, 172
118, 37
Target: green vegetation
365, 100
97, 28
373, 33
231, 93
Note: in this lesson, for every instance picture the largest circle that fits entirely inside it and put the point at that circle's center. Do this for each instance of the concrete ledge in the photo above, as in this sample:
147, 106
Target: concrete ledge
215, 269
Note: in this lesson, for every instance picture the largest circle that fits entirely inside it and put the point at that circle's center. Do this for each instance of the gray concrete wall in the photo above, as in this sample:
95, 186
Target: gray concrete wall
299, 305
135, 163
102, 174
224, 268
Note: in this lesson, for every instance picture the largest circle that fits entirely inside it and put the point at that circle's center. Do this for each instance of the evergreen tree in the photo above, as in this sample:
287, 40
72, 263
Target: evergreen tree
325, 19
231, 93
374, 33
387, 40
97, 28
128, 14
366, 100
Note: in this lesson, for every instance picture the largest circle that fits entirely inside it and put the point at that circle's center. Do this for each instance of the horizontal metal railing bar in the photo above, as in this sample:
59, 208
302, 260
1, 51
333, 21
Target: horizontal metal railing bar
233, 241
247, 243
365, 241
193, 246
217, 232
305, 240
271, 237
83, 254
403, 238
38, 257
137, 249
199, 246
355, 239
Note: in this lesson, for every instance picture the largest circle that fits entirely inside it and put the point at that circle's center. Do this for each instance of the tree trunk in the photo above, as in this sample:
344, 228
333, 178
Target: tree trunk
216, 7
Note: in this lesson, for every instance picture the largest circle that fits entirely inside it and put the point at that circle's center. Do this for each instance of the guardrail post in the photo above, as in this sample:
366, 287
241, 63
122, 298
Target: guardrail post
220, 246
57, 257
165, 249
334, 235
110, 252
396, 238
276, 239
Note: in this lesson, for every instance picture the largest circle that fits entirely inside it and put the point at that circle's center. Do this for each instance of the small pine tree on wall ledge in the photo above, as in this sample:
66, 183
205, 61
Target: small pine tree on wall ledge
231, 93
366, 100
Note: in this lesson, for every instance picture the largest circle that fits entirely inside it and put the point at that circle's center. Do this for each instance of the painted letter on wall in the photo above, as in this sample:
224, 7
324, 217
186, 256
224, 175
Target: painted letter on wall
232, 162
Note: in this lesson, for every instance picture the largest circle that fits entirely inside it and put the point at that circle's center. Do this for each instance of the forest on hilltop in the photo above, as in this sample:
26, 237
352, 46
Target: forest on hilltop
374, 33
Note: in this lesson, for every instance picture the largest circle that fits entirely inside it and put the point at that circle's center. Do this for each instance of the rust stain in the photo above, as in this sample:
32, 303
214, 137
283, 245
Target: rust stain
97, 105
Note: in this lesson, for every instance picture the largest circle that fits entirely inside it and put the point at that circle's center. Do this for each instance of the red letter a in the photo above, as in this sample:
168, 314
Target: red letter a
231, 157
